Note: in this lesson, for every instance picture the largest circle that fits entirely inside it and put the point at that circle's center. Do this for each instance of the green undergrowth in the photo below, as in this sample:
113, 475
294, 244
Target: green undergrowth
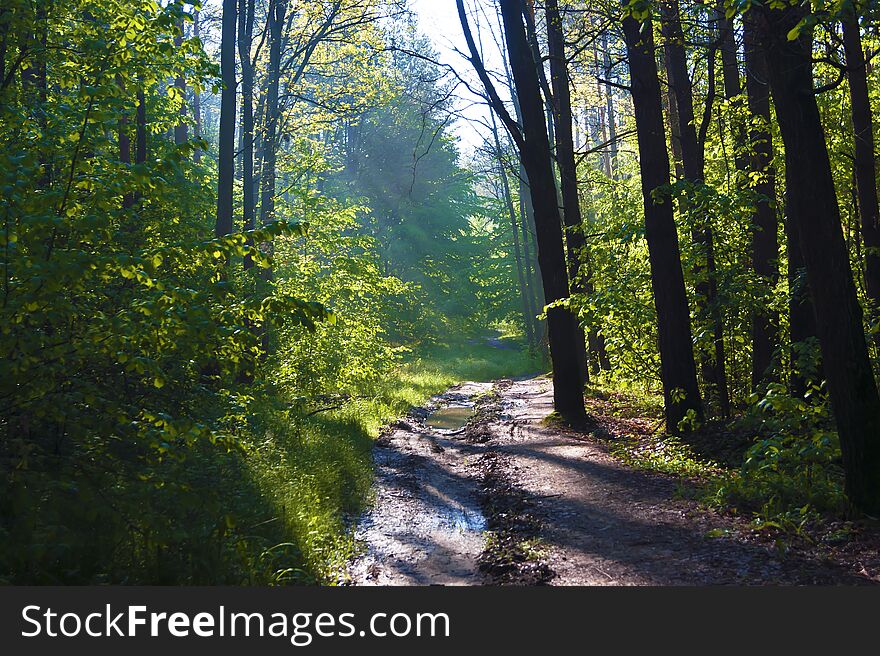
778, 463
665, 454
315, 471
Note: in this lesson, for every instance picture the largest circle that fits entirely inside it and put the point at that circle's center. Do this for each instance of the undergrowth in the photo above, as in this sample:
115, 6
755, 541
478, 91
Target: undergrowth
788, 478
317, 471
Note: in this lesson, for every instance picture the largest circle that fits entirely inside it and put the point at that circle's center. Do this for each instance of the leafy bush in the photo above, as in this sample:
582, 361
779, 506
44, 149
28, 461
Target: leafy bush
794, 466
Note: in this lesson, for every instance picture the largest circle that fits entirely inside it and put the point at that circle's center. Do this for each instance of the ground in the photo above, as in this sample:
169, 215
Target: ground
514, 499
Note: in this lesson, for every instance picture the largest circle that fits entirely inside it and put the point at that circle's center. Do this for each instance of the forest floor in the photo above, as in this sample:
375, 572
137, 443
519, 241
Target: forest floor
513, 498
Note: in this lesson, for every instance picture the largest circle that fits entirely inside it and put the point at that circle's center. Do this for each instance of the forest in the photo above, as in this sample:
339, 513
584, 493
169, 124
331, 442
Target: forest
243, 238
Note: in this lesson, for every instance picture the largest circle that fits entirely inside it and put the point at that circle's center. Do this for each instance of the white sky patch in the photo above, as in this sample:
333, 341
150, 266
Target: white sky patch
439, 20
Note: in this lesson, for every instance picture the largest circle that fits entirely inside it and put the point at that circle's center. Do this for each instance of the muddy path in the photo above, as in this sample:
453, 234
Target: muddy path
510, 499
425, 526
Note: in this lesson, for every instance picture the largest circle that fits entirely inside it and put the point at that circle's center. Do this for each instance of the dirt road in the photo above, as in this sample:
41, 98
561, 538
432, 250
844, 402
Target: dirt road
512, 500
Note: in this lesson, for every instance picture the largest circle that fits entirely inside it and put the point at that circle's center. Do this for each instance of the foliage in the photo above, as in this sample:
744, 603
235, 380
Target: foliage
794, 464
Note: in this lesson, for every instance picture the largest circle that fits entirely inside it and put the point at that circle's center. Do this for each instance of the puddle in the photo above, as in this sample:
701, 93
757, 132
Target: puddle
450, 418
465, 520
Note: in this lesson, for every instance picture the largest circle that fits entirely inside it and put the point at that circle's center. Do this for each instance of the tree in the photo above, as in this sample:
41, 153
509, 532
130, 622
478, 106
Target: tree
712, 362
226, 148
245, 39
765, 246
816, 215
864, 163
678, 373
534, 149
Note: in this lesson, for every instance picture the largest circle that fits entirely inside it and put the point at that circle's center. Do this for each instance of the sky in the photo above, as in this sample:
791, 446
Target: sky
438, 19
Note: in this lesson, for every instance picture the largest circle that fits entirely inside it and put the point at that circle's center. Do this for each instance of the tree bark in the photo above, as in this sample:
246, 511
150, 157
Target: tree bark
816, 215
277, 12
245, 40
535, 154
712, 363
765, 244
226, 149
677, 370
864, 162
511, 212
571, 205
197, 97
181, 130
801, 315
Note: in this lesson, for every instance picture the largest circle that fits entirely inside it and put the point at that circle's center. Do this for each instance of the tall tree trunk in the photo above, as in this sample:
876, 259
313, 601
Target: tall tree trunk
197, 96
181, 130
527, 218
245, 39
535, 154
815, 212
801, 315
609, 109
571, 205
712, 363
765, 244
226, 149
729, 60
864, 163
277, 12
124, 146
677, 370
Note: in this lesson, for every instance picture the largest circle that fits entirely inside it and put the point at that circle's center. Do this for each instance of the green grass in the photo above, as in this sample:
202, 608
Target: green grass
316, 472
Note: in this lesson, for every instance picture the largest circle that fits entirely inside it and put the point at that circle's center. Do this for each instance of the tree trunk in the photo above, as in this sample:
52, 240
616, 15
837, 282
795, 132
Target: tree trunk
226, 149
527, 220
816, 215
535, 154
181, 130
277, 12
729, 62
864, 163
245, 39
677, 370
801, 315
511, 211
571, 206
124, 146
765, 244
197, 97
611, 149
712, 363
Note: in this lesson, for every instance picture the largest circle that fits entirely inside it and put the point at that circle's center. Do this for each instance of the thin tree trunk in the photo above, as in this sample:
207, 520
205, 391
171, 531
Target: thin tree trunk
677, 370
609, 109
245, 39
181, 130
571, 207
124, 147
226, 149
277, 12
511, 211
197, 97
816, 215
712, 362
